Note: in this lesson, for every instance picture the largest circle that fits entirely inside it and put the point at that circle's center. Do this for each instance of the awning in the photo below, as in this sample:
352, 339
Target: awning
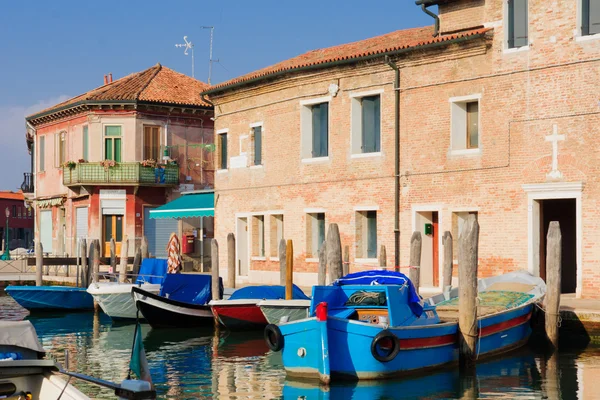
47, 203
187, 206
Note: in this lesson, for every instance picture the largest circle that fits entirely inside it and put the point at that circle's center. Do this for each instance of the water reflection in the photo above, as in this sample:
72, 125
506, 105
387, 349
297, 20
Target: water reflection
204, 363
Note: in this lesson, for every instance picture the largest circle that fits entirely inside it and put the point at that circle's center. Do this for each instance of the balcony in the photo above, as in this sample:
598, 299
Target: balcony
27, 185
123, 173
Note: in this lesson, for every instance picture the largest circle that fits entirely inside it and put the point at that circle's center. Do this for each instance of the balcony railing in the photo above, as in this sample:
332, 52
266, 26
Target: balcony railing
27, 185
123, 173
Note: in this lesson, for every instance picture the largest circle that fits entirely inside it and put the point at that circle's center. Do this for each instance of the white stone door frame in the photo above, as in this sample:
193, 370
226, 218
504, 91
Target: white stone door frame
438, 209
238, 217
550, 191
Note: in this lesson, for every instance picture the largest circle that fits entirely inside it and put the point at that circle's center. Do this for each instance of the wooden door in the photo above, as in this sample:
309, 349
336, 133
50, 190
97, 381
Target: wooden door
112, 227
436, 251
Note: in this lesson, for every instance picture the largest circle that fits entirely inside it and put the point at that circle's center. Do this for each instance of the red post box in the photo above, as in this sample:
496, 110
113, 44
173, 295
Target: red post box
187, 247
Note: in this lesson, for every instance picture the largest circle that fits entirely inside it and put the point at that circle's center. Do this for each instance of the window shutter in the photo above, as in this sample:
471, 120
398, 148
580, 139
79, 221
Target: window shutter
372, 234
316, 131
324, 129
258, 145
594, 17
520, 24
223, 138
42, 151
85, 140
370, 124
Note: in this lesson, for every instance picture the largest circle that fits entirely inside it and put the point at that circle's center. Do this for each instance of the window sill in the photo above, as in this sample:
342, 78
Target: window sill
274, 258
465, 152
260, 166
587, 38
315, 160
516, 49
366, 155
256, 258
312, 260
222, 171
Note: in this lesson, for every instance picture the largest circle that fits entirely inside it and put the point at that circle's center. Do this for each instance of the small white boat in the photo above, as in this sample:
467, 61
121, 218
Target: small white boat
278, 311
25, 374
115, 298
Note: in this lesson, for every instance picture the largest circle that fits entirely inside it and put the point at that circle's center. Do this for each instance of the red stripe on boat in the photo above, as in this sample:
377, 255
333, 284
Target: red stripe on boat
502, 326
245, 313
418, 343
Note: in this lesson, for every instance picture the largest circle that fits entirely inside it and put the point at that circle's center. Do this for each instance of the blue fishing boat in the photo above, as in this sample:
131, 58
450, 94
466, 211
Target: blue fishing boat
373, 325
45, 298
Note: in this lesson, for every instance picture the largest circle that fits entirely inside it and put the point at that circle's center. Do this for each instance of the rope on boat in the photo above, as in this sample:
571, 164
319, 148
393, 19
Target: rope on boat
558, 320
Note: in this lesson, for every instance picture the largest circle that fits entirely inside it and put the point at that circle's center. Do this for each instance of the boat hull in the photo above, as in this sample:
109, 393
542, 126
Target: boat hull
277, 311
161, 312
309, 343
239, 316
45, 298
116, 300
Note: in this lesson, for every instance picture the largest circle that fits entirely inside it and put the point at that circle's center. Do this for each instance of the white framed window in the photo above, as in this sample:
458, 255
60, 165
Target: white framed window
315, 233
276, 233
222, 148
258, 236
517, 24
589, 19
314, 127
366, 234
113, 143
366, 122
465, 125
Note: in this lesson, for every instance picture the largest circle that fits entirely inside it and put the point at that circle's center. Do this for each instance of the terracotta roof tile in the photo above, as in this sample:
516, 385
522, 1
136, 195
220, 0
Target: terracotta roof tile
8, 195
390, 42
157, 84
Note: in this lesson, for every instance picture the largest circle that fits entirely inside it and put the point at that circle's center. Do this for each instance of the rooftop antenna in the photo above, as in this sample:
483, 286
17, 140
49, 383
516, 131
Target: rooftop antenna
210, 60
188, 46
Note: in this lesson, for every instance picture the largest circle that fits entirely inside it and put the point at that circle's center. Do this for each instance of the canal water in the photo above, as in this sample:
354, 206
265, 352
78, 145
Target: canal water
202, 364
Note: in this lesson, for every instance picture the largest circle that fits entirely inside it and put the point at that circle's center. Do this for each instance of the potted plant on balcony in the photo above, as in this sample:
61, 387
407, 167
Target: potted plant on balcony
108, 164
69, 164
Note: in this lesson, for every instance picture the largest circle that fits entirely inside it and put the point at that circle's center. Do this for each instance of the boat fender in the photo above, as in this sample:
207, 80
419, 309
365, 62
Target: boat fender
273, 337
385, 346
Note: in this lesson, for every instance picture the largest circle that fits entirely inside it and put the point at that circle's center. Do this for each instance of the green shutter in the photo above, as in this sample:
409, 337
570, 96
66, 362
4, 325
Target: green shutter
371, 124
223, 150
85, 143
321, 230
117, 143
593, 17
112, 131
320, 129
371, 234
258, 145
42, 150
518, 23
108, 149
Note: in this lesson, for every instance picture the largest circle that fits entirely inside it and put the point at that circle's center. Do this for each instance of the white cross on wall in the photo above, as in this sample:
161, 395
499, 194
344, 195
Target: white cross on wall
554, 138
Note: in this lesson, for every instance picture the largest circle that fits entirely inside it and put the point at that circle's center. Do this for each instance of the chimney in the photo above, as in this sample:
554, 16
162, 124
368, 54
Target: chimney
110, 77
105, 79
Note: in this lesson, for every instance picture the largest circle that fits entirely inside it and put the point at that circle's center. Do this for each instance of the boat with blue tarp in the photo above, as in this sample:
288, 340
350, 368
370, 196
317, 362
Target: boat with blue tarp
48, 298
115, 297
181, 302
373, 325
241, 310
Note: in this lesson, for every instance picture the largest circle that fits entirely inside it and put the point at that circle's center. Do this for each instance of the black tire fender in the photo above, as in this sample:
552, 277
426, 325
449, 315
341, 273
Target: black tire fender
273, 337
385, 335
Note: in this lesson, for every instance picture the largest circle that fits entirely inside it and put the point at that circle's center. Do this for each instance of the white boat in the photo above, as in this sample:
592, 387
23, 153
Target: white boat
115, 298
277, 311
25, 374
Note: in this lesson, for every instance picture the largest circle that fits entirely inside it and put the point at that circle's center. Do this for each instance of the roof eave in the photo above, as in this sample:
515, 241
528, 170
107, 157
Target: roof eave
343, 62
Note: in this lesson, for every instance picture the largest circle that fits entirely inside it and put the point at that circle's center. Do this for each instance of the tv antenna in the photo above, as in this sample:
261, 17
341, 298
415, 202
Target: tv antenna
210, 60
187, 46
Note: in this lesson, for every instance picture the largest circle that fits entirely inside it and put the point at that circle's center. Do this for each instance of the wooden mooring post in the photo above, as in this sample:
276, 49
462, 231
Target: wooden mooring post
382, 257
553, 281
84, 272
334, 253
346, 265
231, 260
414, 273
289, 270
123, 263
144, 246
39, 263
137, 263
214, 271
322, 274
468, 253
95, 259
448, 258
113, 256
282, 261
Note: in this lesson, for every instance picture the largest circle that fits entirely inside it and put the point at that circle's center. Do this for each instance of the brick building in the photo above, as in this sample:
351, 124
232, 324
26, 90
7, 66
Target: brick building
20, 221
498, 116
103, 159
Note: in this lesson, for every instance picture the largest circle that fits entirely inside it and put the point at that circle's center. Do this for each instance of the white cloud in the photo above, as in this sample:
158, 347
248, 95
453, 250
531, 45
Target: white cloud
15, 159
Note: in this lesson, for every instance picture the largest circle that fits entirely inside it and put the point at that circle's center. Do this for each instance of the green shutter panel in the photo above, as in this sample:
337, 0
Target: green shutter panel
521, 22
223, 151
594, 17
324, 129
85, 143
108, 149
117, 150
370, 124
258, 145
371, 234
42, 151
316, 131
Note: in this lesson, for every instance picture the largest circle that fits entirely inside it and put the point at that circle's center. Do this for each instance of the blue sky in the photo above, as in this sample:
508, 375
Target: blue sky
52, 50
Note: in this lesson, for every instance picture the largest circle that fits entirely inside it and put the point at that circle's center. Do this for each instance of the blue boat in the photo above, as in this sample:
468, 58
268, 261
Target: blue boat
373, 325
46, 298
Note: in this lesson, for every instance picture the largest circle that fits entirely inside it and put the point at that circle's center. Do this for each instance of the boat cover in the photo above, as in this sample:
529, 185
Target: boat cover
20, 334
188, 288
382, 277
267, 292
152, 266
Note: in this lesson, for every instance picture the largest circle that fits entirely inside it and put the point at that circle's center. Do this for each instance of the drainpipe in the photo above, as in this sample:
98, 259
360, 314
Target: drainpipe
396, 162
424, 4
